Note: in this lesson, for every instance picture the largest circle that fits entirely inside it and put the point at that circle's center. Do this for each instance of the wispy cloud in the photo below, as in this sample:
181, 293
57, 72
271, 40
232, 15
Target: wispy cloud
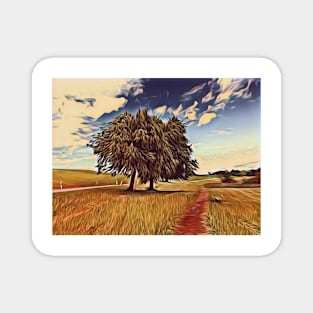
218, 107
247, 165
224, 131
90, 101
58, 115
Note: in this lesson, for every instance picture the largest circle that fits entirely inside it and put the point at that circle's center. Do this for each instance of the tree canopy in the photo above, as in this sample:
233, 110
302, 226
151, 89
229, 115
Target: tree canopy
145, 146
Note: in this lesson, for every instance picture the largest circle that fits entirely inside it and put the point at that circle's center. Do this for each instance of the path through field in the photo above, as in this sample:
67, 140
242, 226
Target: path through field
192, 221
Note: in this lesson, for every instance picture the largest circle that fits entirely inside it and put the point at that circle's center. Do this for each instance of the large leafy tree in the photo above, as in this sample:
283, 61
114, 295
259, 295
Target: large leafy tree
117, 148
156, 149
144, 145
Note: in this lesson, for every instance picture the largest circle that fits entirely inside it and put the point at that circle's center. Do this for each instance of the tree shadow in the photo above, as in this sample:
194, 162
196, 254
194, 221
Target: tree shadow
126, 192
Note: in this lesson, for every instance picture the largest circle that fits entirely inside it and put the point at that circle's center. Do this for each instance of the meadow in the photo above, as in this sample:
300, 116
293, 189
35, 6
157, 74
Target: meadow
237, 214
115, 211
118, 212
83, 178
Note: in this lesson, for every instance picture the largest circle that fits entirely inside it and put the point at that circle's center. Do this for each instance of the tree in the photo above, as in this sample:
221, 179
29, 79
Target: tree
185, 166
146, 146
155, 147
117, 148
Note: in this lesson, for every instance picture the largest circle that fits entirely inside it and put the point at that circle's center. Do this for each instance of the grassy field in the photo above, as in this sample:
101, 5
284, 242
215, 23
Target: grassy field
83, 178
118, 212
237, 214
114, 211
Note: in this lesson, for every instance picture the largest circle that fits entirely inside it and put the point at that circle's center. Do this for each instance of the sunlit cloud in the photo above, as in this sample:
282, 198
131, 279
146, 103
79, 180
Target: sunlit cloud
191, 113
224, 83
208, 97
160, 110
206, 118
218, 107
177, 111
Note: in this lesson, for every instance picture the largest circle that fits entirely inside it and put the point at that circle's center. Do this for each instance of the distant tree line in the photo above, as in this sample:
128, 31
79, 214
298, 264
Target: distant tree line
143, 145
227, 176
237, 173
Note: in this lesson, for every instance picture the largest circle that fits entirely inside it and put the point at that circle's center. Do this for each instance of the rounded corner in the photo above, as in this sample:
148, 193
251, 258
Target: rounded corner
41, 251
273, 64
273, 249
41, 64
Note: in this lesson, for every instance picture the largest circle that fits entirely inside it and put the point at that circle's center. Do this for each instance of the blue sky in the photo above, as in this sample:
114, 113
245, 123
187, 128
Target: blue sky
222, 115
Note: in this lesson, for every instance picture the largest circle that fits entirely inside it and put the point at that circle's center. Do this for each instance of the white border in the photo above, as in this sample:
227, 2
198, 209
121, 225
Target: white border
48, 244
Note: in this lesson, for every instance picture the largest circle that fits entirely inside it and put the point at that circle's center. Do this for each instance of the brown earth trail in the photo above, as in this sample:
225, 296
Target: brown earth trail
192, 222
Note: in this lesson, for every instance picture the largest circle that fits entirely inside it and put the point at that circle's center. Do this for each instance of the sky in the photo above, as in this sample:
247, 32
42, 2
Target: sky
222, 116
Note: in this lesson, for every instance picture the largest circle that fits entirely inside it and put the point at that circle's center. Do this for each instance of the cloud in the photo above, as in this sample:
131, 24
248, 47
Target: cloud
74, 152
224, 96
194, 90
81, 106
67, 97
178, 96
224, 83
206, 118
160, 110
208, 97
221, 159
91, 101
224, 131
191, 113
58, 115
178, 110
78, 120
218, 107
248, 165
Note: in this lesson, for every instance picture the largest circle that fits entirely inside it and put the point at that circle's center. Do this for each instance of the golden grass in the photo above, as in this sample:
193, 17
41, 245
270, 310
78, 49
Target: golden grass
114, 211
237, 214
199, 177
83, 178
118, 212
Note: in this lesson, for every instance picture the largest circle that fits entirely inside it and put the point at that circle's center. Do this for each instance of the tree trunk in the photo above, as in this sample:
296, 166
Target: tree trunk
151, 184
132, 181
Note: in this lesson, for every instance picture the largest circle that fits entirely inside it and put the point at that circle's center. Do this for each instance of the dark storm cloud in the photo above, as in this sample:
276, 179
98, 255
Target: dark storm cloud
172, 92
155, 92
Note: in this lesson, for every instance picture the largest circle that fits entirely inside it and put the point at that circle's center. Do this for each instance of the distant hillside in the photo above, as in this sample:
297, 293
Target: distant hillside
83, 178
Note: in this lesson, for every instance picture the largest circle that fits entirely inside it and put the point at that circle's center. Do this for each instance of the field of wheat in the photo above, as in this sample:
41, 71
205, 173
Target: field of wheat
238, 212
118, 212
